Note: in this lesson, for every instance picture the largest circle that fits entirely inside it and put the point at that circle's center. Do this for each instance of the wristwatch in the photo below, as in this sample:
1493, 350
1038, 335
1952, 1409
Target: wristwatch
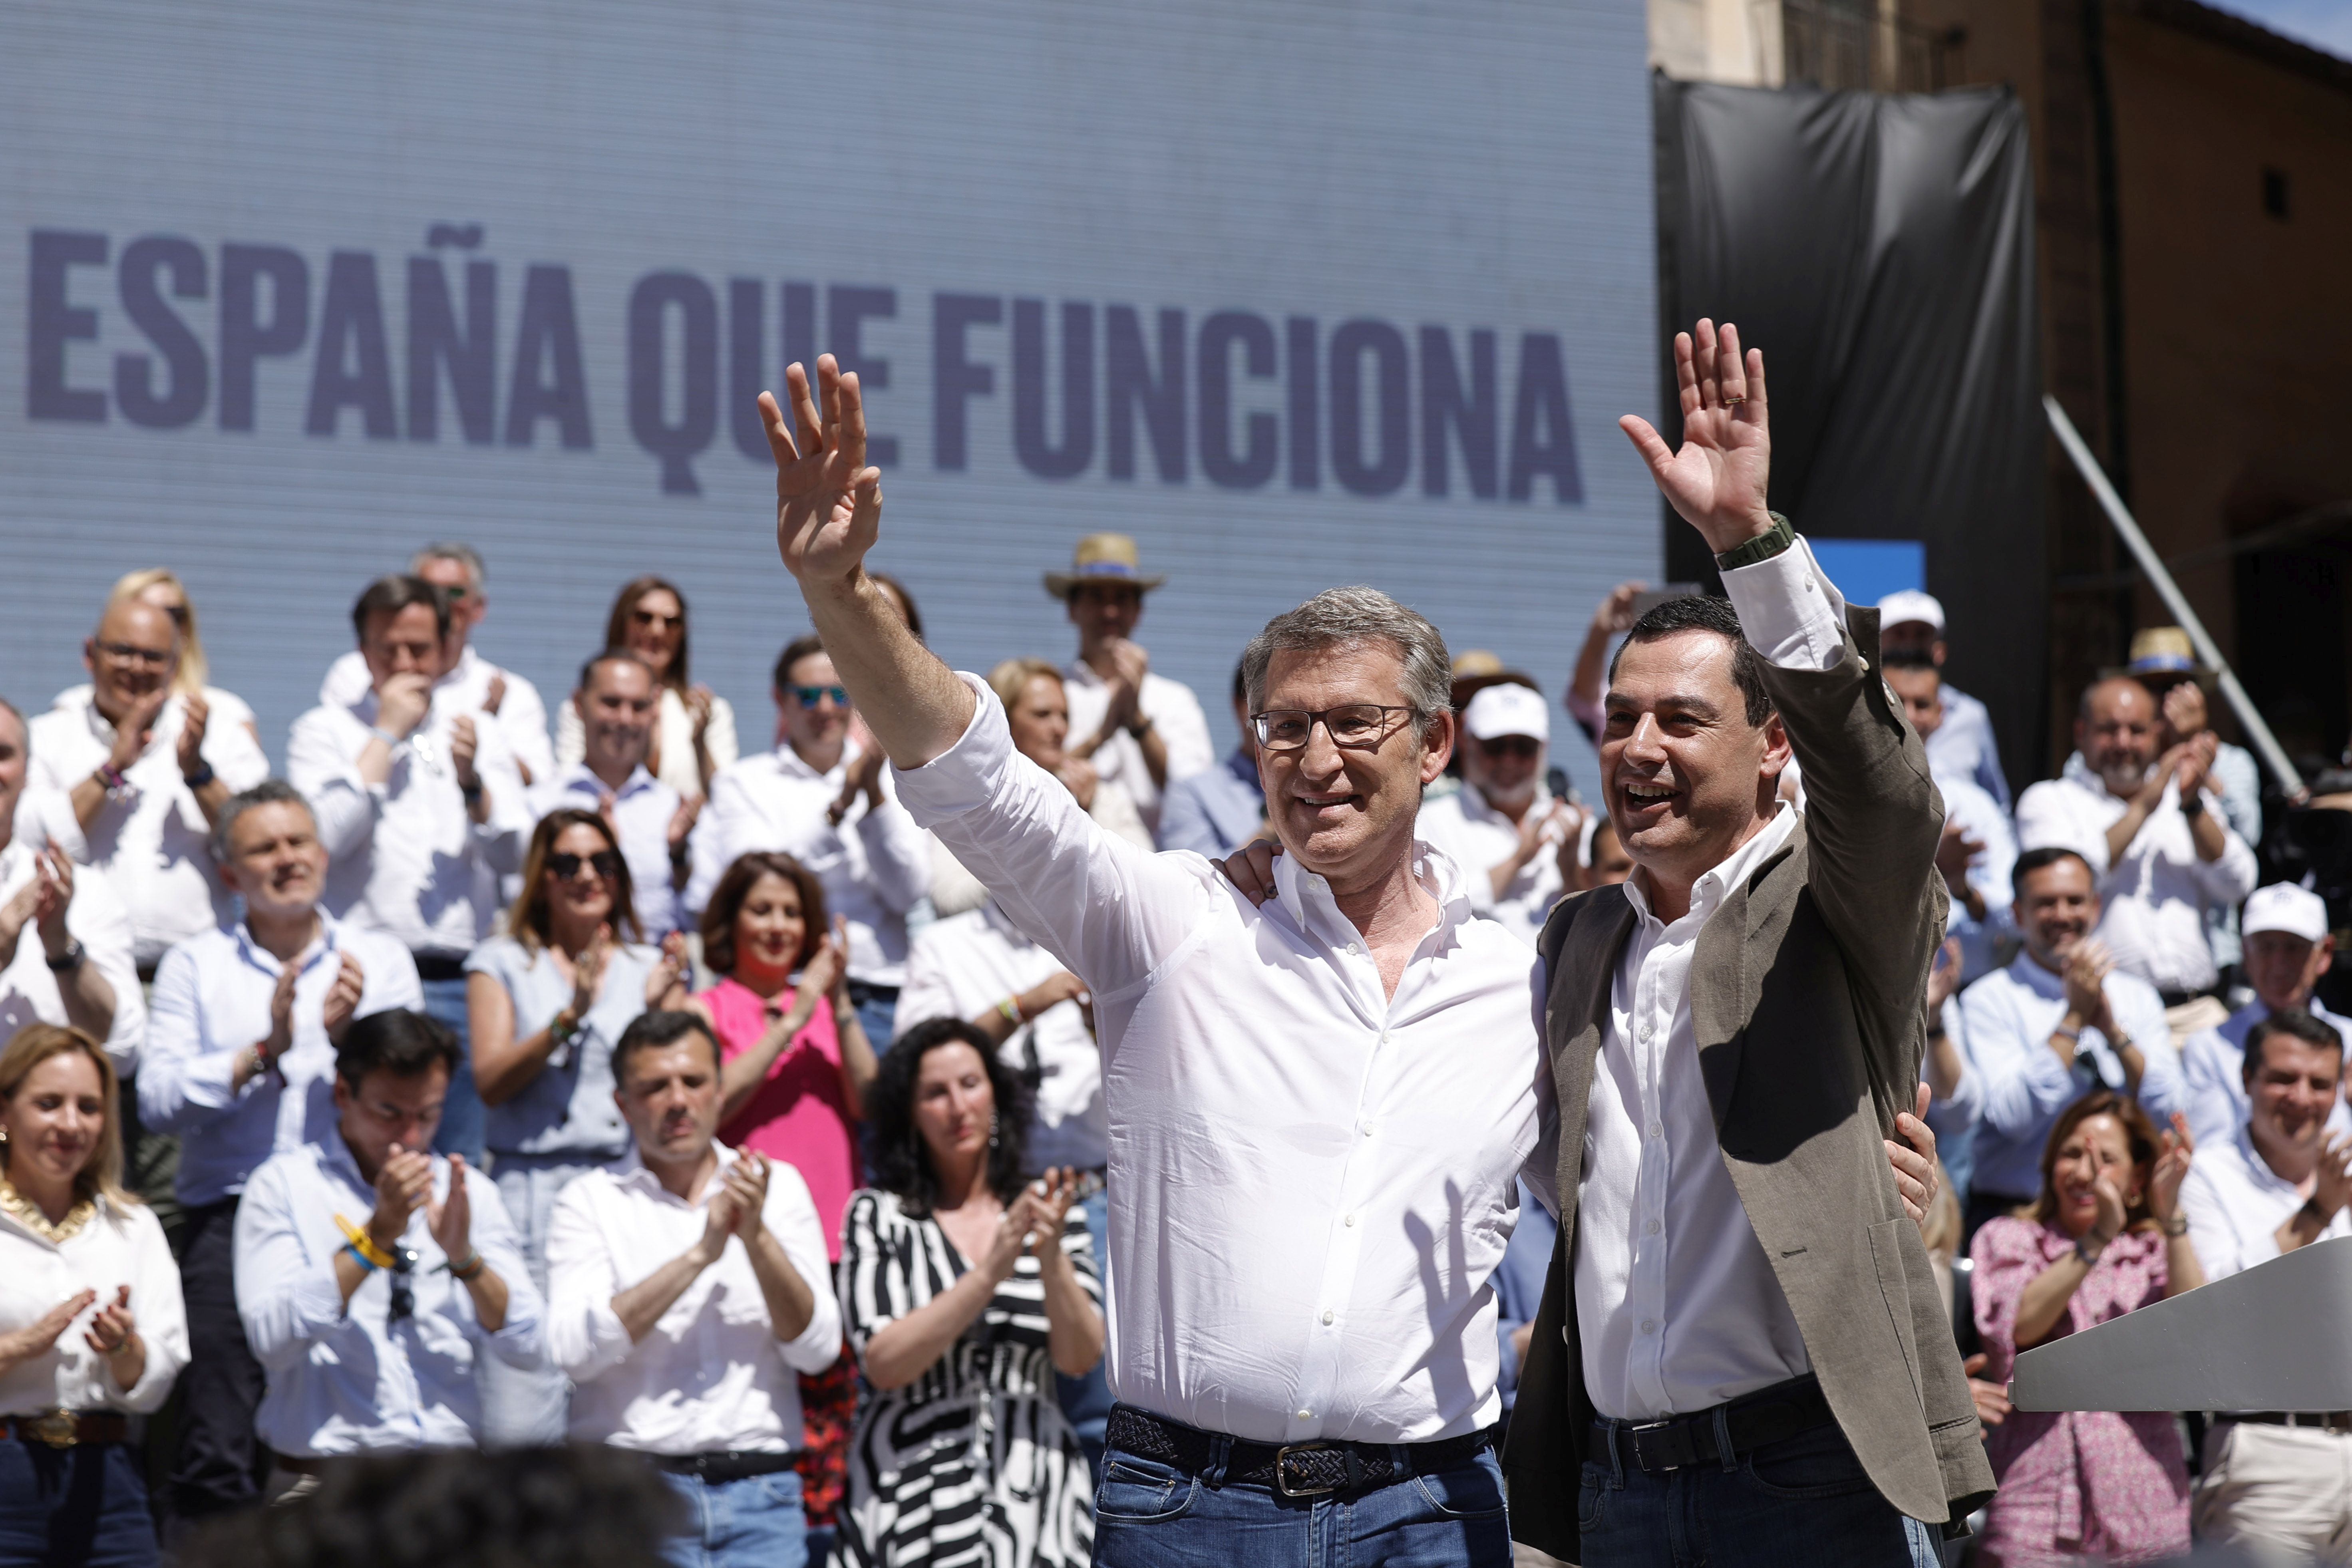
200, 777
69, 960
1763, 547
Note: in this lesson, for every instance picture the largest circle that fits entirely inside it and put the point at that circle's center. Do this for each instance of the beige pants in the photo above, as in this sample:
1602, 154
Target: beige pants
2284, 1493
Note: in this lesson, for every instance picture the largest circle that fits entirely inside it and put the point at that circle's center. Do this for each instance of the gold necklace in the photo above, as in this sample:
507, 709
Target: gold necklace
26, 1212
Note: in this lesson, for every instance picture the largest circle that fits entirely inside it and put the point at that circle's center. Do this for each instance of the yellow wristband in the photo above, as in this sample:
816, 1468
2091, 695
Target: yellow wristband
1010, 1008
366, 1244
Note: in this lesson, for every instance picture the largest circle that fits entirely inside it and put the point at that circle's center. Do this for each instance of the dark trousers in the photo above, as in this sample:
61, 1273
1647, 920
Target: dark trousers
217, 1465
83, 1506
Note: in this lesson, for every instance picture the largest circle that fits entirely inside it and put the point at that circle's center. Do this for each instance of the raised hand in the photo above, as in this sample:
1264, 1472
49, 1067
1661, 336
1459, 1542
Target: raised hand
681, 821
464, 741
281, 1014
1716, 481
343, 998
1954, 852
194, 715
136, 731
1011, 1237
451, 1220
827, 964
494, 695
2171, 1168
1051, 1195
2085, 981
2195, 761
1130, 663
721, 1215
2184, 709
747, 1187
664, 975
402, 1183
53, 875
1614, 616
828, 503
112, 1326
2113, 1210
588, 971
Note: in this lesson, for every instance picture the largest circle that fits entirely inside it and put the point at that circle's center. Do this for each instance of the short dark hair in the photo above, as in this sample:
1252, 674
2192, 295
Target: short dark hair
269, 792
902, 1161
390, 595
652, 1030
718, 927
400, 1041
1909, 658
2033, 860
795, 651
2296, 1025
1703, 612
618, 655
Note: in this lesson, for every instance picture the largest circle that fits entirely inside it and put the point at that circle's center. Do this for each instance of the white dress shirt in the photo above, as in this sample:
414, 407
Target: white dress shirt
674, 729
1476, 836
2157, 895
1676, 1304
344, 1377
873, 867
96, 919
2235, 1203
2007, 1020
1963, 744
521, 718
211, 1001
642, 809
1310, 1181
113, 1248
2212, 1067
712, 1375
1173, 710
963, 966
150, 837
404, 858
1985, 821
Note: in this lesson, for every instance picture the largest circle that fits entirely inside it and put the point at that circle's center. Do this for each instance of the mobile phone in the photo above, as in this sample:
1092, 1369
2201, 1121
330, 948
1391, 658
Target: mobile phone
1649, 599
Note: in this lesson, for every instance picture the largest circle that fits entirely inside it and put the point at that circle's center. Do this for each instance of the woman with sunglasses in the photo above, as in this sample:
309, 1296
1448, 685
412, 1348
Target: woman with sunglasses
544, 1004
92, 1330
694, 731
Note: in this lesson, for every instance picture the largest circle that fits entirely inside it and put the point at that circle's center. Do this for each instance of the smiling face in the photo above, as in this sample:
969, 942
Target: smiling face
133, 655
616, 716
656, 626
669, 1097
816, 718
1921, 692
2291, 1085
1040, 721
770, 929
1688, 779
2283, 967
954, 1105
54, 1120
582, 900
2097, 1146
1505, 769
1348, 814
2056, 908
2117, 733
275, 860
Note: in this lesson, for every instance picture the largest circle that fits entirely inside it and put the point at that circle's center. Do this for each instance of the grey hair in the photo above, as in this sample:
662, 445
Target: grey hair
477, 576
269, 792
1352, 616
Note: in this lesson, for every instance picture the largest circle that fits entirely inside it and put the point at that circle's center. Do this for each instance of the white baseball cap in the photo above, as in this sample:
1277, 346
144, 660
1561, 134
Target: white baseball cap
1910, 605
1507, 709
2283, 906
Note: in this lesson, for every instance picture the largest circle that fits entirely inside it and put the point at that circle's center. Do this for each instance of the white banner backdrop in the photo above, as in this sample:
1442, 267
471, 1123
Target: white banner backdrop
1295, 294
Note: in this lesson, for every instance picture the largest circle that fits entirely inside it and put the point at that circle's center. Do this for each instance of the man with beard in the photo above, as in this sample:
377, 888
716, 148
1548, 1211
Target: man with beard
1503, 826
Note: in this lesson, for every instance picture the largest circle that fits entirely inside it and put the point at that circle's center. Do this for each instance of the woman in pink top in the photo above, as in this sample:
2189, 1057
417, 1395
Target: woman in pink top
2106, 1237
796, 1069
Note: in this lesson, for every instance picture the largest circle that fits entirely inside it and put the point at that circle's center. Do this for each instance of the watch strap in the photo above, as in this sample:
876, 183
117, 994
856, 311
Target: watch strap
1763, 547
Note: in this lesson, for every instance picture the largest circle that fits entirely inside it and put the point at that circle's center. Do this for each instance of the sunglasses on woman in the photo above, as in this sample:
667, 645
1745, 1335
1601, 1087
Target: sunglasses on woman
566, 865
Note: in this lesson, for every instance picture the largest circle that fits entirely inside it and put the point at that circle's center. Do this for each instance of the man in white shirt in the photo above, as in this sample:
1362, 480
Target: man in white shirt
687, 1290
1979, 845
2273, 1482
2063, 1019
469, 683
1911, 621
2288, 947
373, 1276
874, 862
617, 701
1141, 731
1503, 827
421, 810
1310, 1103
2144, 823
239, 1058
65, 937
146, 775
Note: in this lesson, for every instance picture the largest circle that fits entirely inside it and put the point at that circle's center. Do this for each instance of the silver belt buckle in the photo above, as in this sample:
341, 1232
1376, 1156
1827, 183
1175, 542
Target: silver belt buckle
1635, 1432
1282, 1472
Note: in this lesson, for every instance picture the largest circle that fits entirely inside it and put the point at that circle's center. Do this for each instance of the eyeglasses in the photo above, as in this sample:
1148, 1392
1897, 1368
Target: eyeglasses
144, 658
1521, 746
1353, 726
810, 695
566, 866
404, 1290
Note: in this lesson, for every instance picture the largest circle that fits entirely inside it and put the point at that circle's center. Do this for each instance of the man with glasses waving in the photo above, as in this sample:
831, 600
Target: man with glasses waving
823, 799
372, 1275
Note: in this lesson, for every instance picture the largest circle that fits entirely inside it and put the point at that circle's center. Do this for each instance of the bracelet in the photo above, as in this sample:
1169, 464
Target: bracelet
201, 778
2062, 1033
2090, 1259
1763, 547
562, 1028
69, 960
466, 1272
1141, 727
112, 778
1010, 1008
364, 1246
386, 736
2177, 1226
2194, 805
367, 1265
471, 793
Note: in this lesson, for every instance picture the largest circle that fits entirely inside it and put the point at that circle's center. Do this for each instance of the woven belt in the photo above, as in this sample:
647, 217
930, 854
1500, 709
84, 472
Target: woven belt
1755, 1420
1294, 1470
730, 1465
2324, 1420
66, 1429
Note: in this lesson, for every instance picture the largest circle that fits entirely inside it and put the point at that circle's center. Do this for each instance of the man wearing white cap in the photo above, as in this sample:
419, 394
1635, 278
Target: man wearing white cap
1141, 731
1503, 827
1963, 743
2288, 948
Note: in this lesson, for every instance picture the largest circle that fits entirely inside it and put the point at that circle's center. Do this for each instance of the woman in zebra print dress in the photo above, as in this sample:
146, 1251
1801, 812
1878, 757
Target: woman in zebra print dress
964, 1289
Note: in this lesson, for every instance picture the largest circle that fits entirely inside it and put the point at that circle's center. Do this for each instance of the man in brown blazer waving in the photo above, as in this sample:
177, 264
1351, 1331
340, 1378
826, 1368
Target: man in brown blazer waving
1741, 1358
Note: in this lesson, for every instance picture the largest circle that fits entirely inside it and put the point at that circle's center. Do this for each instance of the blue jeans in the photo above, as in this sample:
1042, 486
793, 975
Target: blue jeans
84, 1507
1151, 1515
1802, 1503
755, 1522
461, 1112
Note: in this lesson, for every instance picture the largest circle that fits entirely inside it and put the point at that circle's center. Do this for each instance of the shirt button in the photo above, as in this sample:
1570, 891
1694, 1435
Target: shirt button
1656, 1131
1350, 1220
1649, 1325
1368, 1130
1327, 1320
1306, 1415
1652, 1227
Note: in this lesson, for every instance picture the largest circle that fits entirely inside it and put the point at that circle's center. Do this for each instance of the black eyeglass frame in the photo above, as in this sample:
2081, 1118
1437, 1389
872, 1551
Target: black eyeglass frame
1263, 726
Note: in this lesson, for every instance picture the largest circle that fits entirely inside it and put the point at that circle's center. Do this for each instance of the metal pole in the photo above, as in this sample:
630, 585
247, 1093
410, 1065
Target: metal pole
2151, 563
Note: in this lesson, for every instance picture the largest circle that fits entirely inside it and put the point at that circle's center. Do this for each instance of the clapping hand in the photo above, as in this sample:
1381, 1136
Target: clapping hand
281, 1015
136, 730
681, 821
450, 1221
1050, 1197
828, 965
494, 695
402, 702
465, 743
110, 1329
668, 971
2171, 1168
194, 715
1943, 975
829, 501
2085, 980
2184, 711
1129, 663
588, 972
1954, 852
402, 1183
747, 1192
53, 877
343, 998
35, 1337
1716, 481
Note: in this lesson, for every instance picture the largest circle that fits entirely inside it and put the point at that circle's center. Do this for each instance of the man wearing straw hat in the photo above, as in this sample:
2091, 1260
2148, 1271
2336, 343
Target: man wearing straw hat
1143, 731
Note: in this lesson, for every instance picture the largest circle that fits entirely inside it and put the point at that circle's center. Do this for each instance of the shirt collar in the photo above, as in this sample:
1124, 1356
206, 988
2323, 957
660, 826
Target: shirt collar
790, 763
2258, 1168
1708, 891
2028, 971
330, 940
632, 1172
1078, 672
1307, 897
580, 779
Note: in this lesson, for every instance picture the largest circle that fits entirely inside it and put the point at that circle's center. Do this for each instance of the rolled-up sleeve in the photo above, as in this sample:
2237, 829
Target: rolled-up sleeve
585, 1337
791, 1216
2139, 1013
519, 1341
2229, 877
2022, 1081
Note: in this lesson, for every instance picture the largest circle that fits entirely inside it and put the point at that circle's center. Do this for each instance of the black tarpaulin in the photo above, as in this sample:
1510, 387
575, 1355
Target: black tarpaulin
1879, 249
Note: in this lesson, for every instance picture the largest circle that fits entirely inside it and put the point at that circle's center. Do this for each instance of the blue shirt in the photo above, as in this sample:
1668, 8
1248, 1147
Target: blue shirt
211, 1000
346, 1377
1985, 820
1214, 812
2213, 1064
642, 809
1963, 744
568, 1108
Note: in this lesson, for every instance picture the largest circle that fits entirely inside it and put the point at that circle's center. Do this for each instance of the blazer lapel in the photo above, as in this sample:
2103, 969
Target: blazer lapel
1720, 1002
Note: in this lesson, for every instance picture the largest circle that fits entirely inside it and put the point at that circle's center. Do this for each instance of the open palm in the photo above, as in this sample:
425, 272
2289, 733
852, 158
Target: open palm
828, 503
1716, 481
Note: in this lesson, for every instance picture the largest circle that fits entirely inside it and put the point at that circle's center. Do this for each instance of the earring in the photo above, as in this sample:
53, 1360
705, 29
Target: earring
993, 1125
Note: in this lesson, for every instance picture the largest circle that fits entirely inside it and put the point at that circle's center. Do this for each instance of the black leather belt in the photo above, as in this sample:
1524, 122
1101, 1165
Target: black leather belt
728, 1464
860, 992
1764, 1416
1295, 1469
2324, 1420
439, 965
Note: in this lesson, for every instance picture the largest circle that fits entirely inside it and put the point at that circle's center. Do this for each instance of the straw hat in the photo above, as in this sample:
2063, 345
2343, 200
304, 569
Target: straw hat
2158, 652
1102, 558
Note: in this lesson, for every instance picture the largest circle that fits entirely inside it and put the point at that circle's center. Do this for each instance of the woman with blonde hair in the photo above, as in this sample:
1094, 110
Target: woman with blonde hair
92, 1329
160, 587
694, 728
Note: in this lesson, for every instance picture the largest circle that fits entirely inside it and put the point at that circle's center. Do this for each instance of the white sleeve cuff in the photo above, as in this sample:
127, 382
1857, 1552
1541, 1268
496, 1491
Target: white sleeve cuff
1791, 611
